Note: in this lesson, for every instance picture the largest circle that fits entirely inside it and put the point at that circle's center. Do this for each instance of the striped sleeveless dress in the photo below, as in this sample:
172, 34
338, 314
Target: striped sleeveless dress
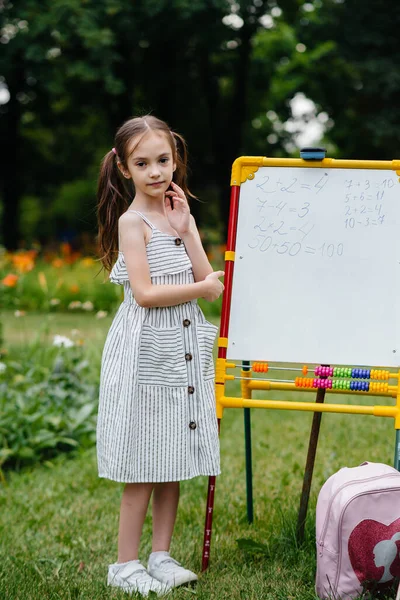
156, 419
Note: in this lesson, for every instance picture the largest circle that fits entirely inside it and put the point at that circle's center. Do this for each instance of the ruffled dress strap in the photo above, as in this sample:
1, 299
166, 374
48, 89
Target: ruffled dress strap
119, 273
145, 219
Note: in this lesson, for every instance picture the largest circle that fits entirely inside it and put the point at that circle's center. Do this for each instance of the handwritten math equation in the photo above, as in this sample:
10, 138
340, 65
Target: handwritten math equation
364, 202
287, 212
285, 226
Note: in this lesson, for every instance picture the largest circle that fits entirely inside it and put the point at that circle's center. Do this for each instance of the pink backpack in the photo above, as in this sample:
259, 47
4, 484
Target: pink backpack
358, 531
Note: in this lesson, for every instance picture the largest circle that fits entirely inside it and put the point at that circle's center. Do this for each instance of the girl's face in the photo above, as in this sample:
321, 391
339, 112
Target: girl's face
150, 164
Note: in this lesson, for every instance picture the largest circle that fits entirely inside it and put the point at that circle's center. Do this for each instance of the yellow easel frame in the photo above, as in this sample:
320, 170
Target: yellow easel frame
242, 169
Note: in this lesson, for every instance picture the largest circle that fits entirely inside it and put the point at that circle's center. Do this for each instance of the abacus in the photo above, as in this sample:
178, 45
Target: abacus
335, 379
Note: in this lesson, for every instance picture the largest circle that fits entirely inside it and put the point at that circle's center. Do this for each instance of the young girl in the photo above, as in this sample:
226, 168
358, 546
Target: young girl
156, 422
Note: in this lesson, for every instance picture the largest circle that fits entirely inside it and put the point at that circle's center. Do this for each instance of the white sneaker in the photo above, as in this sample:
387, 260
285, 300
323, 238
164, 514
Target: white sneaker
167, 570
133, 577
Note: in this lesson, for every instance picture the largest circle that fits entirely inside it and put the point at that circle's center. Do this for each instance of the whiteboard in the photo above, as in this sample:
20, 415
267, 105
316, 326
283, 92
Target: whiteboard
316, 272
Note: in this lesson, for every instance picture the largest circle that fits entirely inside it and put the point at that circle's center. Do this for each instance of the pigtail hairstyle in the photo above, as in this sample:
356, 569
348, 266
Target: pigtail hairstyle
115, 193
114, 197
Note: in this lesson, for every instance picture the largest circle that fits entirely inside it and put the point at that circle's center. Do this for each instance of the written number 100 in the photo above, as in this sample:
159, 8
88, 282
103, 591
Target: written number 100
329, 250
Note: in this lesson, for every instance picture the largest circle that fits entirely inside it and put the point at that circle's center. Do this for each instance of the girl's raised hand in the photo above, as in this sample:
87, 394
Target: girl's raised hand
215, 287
179, 216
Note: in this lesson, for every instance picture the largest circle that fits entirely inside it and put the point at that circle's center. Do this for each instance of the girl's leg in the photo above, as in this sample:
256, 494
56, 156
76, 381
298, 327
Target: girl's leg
161, 566
165, 505
134, 503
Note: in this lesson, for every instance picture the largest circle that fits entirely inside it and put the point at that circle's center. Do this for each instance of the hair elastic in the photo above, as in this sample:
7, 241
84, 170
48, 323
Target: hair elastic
114, 150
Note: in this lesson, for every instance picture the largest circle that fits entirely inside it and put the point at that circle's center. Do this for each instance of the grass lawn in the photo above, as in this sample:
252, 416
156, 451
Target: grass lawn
22, 330
59, 521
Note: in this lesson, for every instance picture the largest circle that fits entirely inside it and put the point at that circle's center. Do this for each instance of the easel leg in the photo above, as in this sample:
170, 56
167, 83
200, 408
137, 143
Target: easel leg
308, 472
208, 523
397, 451
209, 517
249, 465
249, 468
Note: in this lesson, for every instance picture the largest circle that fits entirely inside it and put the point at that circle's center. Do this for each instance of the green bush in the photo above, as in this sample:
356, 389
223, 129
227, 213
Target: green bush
48, 404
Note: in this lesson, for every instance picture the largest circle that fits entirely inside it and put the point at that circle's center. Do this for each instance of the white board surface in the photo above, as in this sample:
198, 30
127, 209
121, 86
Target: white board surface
317, 263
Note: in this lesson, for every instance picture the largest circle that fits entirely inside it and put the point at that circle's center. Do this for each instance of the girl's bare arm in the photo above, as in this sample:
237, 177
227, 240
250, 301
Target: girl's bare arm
194, 248
133, 246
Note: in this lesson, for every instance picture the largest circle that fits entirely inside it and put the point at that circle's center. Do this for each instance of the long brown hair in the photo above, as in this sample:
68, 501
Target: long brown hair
115, 193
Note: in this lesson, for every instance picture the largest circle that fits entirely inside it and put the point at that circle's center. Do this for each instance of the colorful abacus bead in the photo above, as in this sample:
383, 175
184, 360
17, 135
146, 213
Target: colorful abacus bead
324, 383
340, 384
259, 367
378, 387
360, 373
359, 386
305, 370
323, 371
342, 372
380, 374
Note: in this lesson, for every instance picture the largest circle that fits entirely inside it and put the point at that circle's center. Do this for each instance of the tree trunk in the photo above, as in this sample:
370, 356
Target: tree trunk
11, 163
232, 142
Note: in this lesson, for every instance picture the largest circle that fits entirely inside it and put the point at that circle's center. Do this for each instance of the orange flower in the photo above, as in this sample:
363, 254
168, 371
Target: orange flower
57, 263
74, 288
10, 280
65, 249
23, 262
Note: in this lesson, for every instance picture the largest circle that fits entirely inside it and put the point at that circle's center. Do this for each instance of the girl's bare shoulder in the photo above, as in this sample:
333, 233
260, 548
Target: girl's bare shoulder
130, 219
131, 224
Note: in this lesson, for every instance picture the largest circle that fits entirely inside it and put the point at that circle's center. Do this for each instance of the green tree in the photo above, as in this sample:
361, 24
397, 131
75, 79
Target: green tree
76, 69
351, 70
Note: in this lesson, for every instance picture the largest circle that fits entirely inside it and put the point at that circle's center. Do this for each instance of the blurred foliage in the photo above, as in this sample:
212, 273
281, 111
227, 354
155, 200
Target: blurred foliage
222, 73
66, 280
47, 405
351, 70
77, 69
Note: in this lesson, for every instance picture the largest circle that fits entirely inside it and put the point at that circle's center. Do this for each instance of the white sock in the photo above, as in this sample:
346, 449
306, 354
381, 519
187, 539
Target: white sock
126, 563
158, 554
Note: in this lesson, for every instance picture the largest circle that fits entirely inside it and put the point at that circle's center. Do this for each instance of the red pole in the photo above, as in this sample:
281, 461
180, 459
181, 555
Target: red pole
225, 314
230, 246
